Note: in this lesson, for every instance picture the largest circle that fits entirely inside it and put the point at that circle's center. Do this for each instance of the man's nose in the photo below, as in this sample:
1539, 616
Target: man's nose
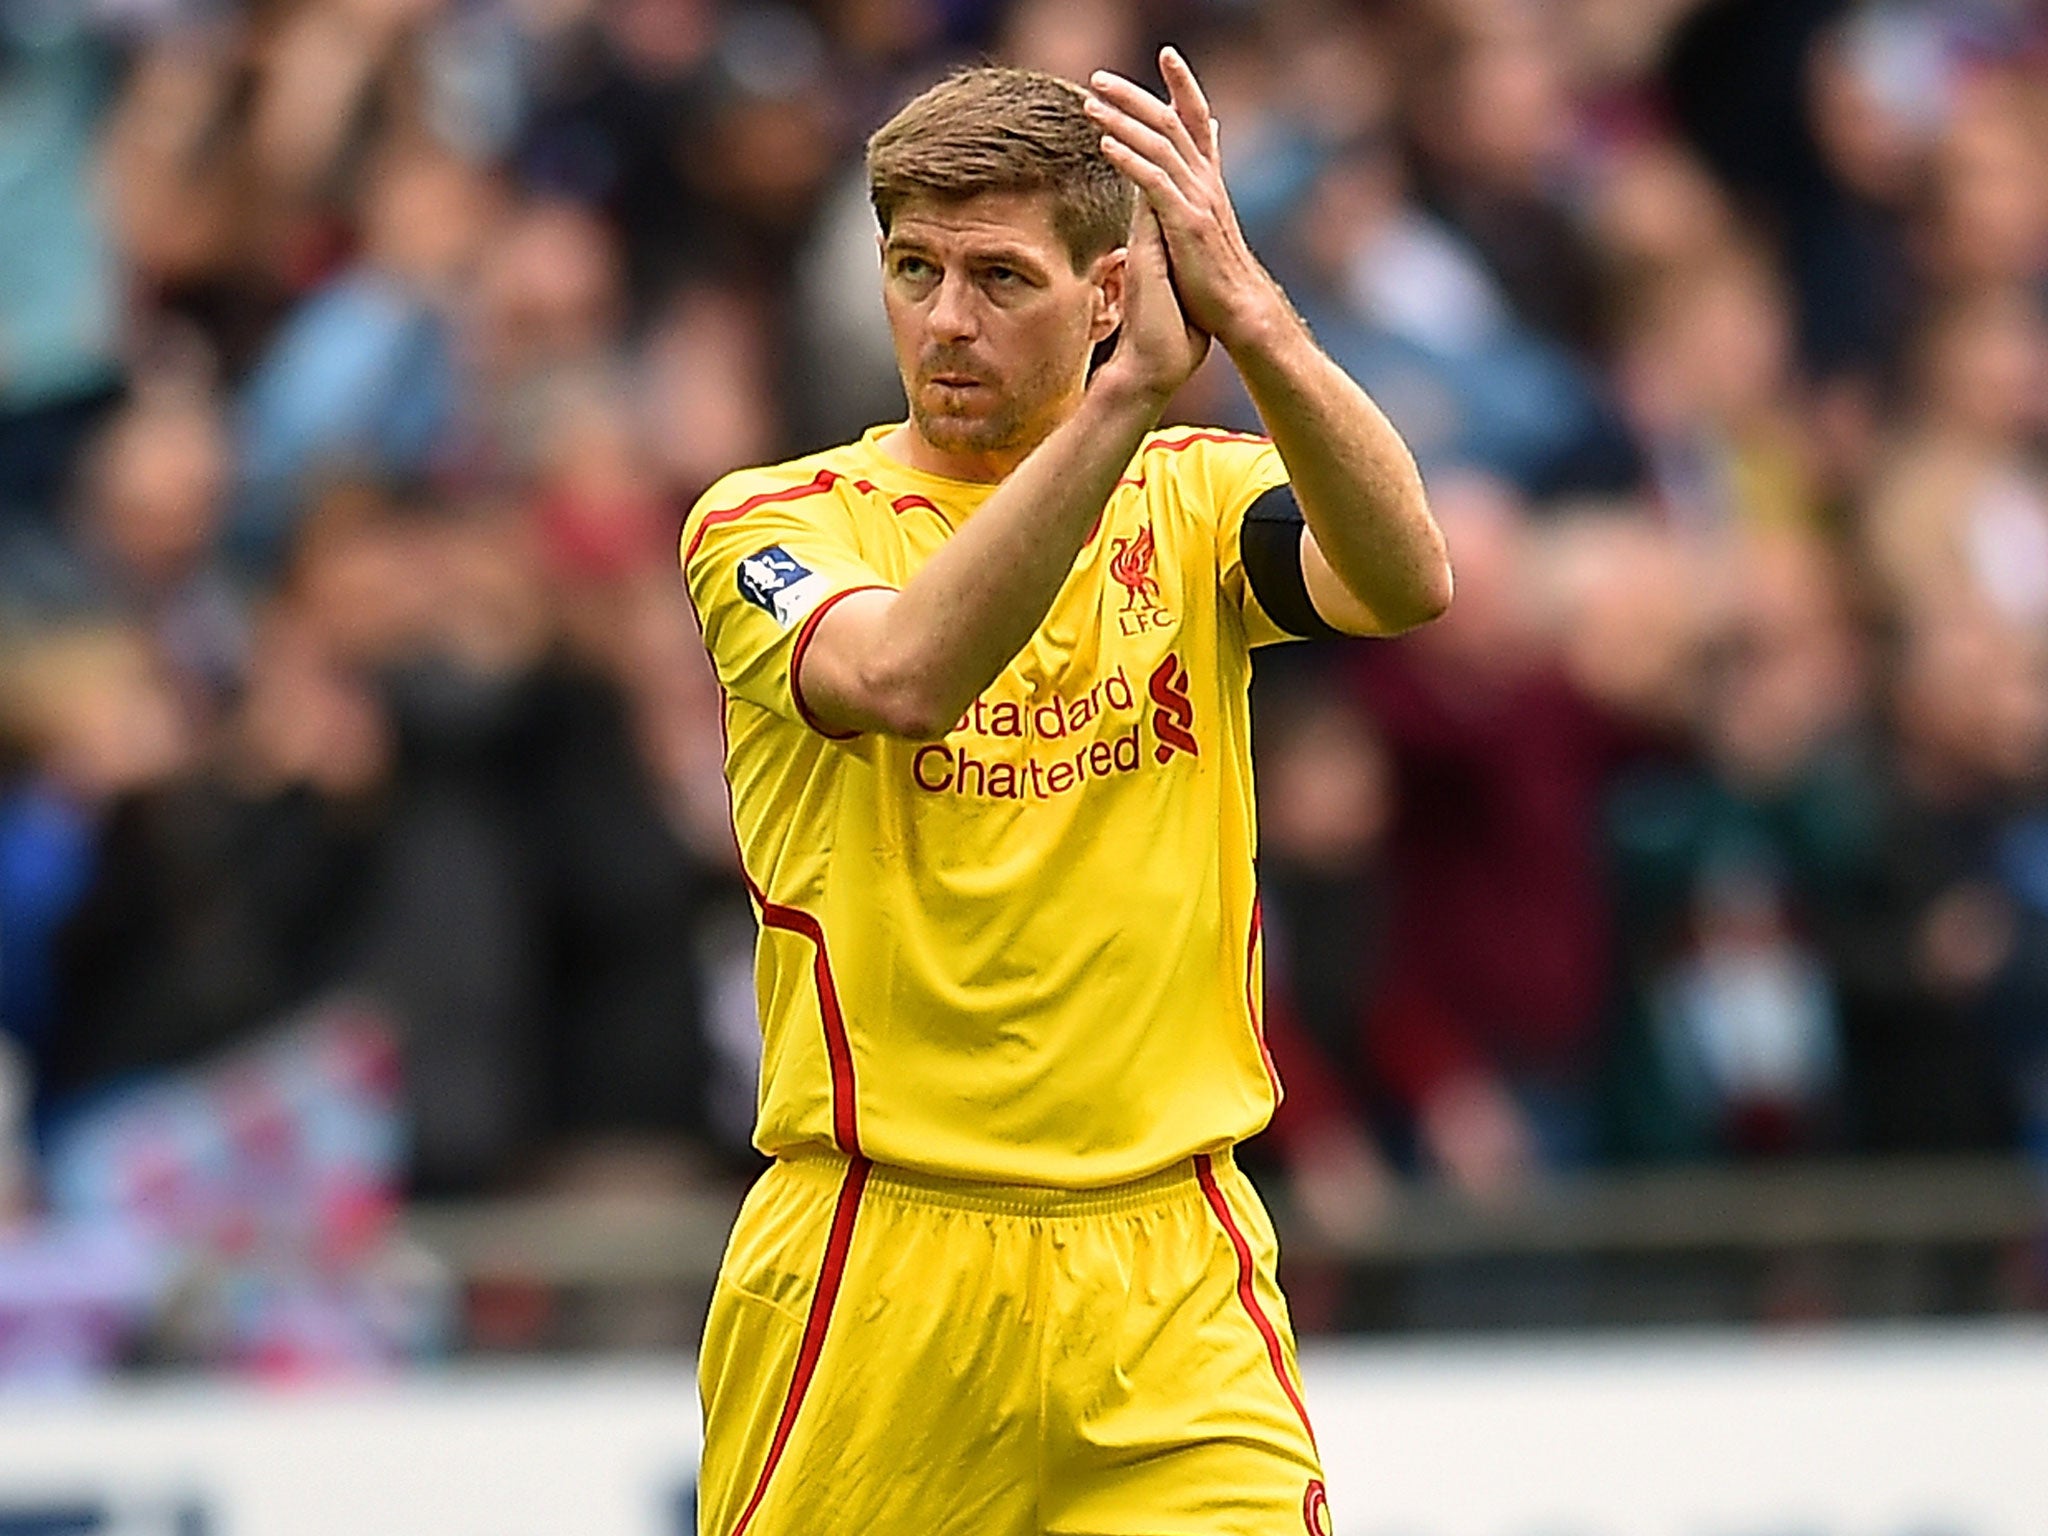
952, 312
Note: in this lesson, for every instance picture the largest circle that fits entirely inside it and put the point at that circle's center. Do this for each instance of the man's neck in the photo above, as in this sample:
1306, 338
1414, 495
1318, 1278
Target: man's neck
908, 446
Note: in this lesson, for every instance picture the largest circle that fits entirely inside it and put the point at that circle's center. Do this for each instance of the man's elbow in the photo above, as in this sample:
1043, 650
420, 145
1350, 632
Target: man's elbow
1435, 597
913, 722
906, 706
1427, 601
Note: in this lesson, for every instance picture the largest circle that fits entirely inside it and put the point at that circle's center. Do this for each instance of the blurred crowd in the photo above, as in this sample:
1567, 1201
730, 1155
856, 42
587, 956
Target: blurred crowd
358, 359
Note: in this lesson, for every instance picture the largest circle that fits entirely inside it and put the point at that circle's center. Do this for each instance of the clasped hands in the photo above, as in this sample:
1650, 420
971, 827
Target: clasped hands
1191, 274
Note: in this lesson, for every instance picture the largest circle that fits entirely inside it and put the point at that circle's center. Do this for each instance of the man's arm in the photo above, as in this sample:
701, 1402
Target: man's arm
910, 663
1372, 556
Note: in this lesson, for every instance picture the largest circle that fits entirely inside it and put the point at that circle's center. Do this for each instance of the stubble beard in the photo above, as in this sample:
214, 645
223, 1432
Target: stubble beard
997, 432
1019, 420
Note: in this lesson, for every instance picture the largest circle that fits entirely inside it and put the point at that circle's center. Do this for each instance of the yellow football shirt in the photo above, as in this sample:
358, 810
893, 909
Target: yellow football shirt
1028, 952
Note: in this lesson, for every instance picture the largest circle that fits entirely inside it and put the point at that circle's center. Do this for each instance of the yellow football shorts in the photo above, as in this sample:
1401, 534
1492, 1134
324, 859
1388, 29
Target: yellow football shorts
891, 1354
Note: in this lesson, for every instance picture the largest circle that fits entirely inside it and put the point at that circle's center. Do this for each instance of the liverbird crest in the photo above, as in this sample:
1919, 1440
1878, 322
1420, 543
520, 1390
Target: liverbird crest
1130, 562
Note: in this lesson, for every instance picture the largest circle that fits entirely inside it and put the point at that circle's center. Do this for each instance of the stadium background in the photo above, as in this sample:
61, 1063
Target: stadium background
1660, 941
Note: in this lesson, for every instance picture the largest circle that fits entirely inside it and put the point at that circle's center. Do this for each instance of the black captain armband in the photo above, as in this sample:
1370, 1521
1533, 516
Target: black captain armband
1270, 545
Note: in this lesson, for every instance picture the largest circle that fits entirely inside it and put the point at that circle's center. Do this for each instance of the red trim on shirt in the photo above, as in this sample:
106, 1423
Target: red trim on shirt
1205, 1175
1137, 481
803, 643
824, 480
1251, 1004
1209, 435
833, 1271
920, 503
838, 1046
905, 503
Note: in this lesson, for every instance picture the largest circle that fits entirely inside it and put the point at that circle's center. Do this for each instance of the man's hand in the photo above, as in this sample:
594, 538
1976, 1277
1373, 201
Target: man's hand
1171, 150
1157, 347
1372, 558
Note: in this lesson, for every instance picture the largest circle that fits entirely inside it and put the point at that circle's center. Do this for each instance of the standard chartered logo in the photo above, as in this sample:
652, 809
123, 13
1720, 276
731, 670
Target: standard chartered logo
1005, 749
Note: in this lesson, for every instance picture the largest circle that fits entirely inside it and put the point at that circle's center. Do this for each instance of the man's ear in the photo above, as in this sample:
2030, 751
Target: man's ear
1110, 270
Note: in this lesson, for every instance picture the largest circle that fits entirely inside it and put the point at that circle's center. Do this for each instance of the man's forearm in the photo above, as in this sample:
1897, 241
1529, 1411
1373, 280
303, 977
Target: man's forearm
1354, 478
914, 663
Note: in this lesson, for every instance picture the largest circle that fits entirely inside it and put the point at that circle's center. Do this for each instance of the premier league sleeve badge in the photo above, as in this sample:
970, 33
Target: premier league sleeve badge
779, 584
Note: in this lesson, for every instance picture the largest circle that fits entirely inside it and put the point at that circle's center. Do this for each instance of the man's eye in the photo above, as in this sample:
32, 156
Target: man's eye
912, 266
1005, 276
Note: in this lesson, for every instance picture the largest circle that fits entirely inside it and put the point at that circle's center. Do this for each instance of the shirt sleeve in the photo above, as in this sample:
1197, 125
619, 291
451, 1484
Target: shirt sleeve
761, 571
1247, 488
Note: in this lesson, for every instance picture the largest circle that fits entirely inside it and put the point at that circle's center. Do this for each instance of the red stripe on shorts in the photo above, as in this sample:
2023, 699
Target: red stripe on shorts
1206, 1176
820, 1318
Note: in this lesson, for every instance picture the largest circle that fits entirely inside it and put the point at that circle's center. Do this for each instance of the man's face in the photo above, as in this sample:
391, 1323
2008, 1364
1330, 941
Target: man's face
992, 324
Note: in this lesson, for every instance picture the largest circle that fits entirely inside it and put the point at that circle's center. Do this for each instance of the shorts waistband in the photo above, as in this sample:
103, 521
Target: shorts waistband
1039, 1200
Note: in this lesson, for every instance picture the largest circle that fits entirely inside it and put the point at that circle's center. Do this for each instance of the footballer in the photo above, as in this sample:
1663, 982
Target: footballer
987, 734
